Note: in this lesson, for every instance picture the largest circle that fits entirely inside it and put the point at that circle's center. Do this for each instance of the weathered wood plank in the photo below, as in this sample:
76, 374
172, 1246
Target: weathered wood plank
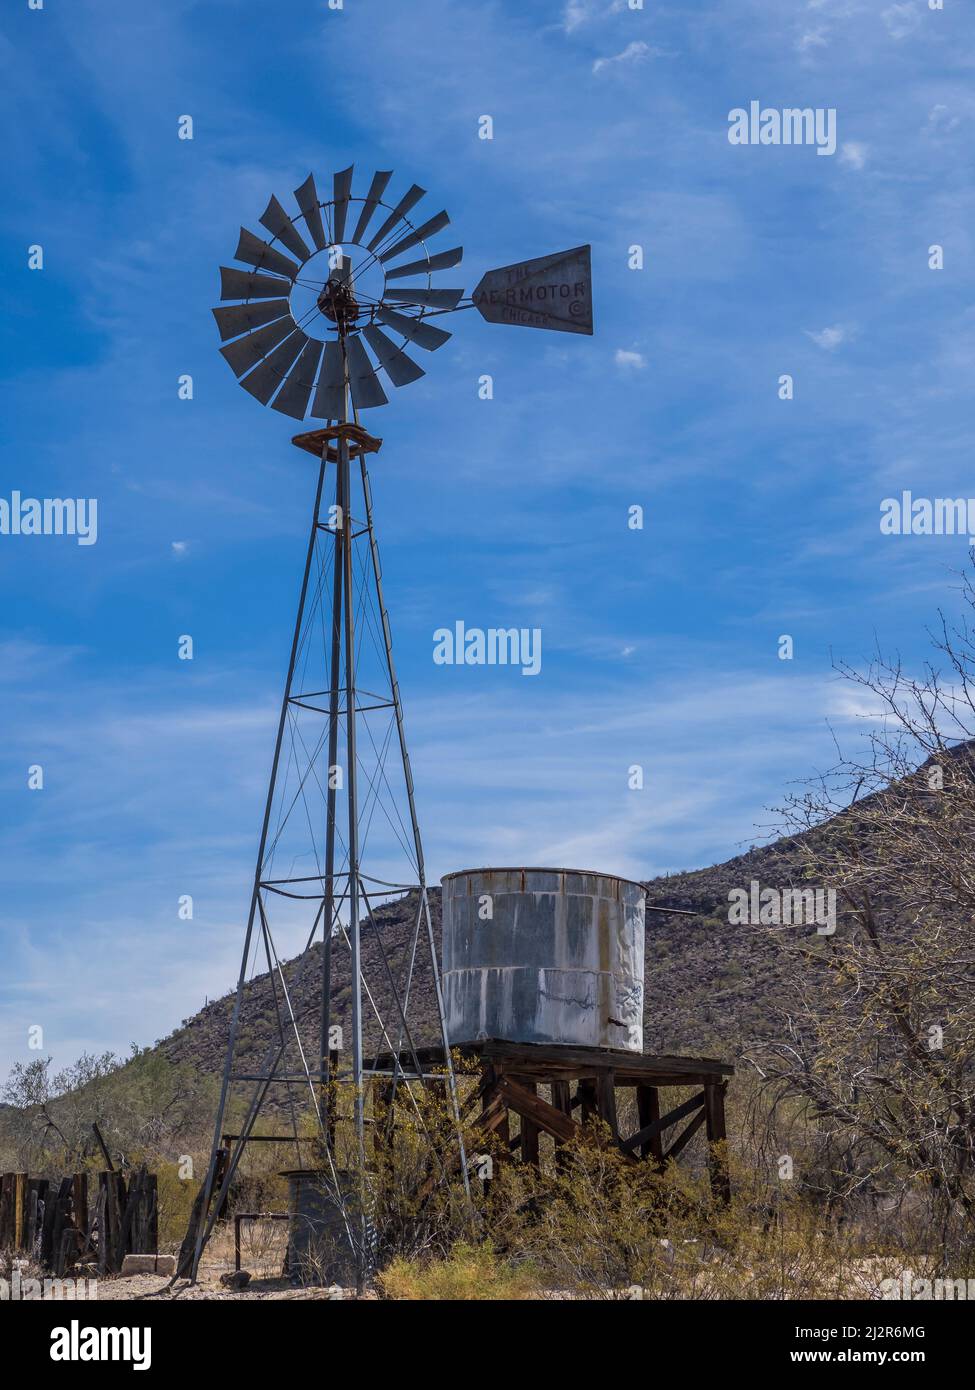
643, 1136
685, 1137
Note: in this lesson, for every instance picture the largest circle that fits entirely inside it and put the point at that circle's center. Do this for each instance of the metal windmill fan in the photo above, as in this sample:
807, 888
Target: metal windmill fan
305, 309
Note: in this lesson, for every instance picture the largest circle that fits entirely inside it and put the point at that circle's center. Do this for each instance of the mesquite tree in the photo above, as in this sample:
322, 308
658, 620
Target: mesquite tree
877, 1040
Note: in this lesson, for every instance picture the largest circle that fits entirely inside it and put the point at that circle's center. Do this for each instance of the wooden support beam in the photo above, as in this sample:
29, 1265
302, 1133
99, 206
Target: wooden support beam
648, 1112
586, 1098
685, 1137
529, 1130
562, 1101
714, 1093
643, 1136
530, 1106
606, 1101
490, 1076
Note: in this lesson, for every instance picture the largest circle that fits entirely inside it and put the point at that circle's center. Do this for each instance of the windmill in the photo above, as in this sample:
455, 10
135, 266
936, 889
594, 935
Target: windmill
334, 301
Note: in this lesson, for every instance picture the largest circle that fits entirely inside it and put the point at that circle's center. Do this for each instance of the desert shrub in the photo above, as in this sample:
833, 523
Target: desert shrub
469, 1272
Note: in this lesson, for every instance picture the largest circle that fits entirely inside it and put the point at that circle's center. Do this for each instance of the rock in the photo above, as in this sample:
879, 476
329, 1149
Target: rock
238, 1279
148, 1264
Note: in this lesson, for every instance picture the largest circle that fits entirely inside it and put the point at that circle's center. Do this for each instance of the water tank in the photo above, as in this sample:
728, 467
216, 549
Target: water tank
543, 956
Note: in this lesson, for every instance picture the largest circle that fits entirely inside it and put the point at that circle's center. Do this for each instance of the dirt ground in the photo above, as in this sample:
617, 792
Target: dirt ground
156, 1288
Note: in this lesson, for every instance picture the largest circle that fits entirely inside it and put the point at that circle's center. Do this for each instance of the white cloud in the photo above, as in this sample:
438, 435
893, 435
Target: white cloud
853, 154
578, 12
635, 52
940, 120
815, 38
628, 360
830, 338
180, 548
902, 19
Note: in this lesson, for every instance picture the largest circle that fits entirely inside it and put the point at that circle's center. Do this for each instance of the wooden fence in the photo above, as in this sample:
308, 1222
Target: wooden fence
53, 1224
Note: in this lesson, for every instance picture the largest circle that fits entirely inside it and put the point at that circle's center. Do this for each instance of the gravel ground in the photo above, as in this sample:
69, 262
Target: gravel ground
156, 1288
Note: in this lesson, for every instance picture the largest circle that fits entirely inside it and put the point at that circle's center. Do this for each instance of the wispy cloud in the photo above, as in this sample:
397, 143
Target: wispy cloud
830, 338
629, 360
635, 52
902, 19
854, 154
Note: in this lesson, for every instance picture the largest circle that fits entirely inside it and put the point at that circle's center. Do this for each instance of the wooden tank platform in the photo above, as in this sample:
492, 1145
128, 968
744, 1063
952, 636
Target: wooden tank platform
583, 1083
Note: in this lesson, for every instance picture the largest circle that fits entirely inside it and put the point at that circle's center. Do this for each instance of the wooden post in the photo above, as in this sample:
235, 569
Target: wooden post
332, 1100
606, 1100
152, 1214
529, 1132
6, 1210
36, 1197
587, 1099
561, 1100
648, 1112
62, 1221
79, 1203
717, 1134
20, 1209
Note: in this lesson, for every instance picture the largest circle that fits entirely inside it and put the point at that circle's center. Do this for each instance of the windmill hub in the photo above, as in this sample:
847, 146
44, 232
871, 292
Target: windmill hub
337, 302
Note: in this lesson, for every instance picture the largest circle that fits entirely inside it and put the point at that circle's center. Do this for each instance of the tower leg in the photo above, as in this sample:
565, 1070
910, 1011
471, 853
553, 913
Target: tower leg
209, 1181
415, 824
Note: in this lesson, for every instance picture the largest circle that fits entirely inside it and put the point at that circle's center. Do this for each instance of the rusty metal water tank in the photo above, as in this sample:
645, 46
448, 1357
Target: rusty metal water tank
543, 956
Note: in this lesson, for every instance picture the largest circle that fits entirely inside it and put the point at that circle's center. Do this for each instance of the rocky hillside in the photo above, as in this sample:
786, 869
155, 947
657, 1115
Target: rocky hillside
710, 986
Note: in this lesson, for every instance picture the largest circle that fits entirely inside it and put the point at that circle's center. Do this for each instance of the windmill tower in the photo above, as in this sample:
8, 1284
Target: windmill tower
340, 839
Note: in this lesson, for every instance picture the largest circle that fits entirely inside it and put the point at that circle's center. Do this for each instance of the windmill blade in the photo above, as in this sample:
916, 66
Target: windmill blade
307, 199
342, 186
330, 393
245, 284
376, 190
415, 330
400, 369
265, 379
432, 299
293, 397
243, 317
252, 251
363, 382
247, 352
429, 229
278, 223
444, 260
408, 200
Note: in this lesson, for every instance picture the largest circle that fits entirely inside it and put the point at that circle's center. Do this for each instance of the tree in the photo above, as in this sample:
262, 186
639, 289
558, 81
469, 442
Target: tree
879, 1040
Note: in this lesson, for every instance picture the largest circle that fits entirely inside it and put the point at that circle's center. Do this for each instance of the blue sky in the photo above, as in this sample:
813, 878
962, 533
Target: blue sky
659, 647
